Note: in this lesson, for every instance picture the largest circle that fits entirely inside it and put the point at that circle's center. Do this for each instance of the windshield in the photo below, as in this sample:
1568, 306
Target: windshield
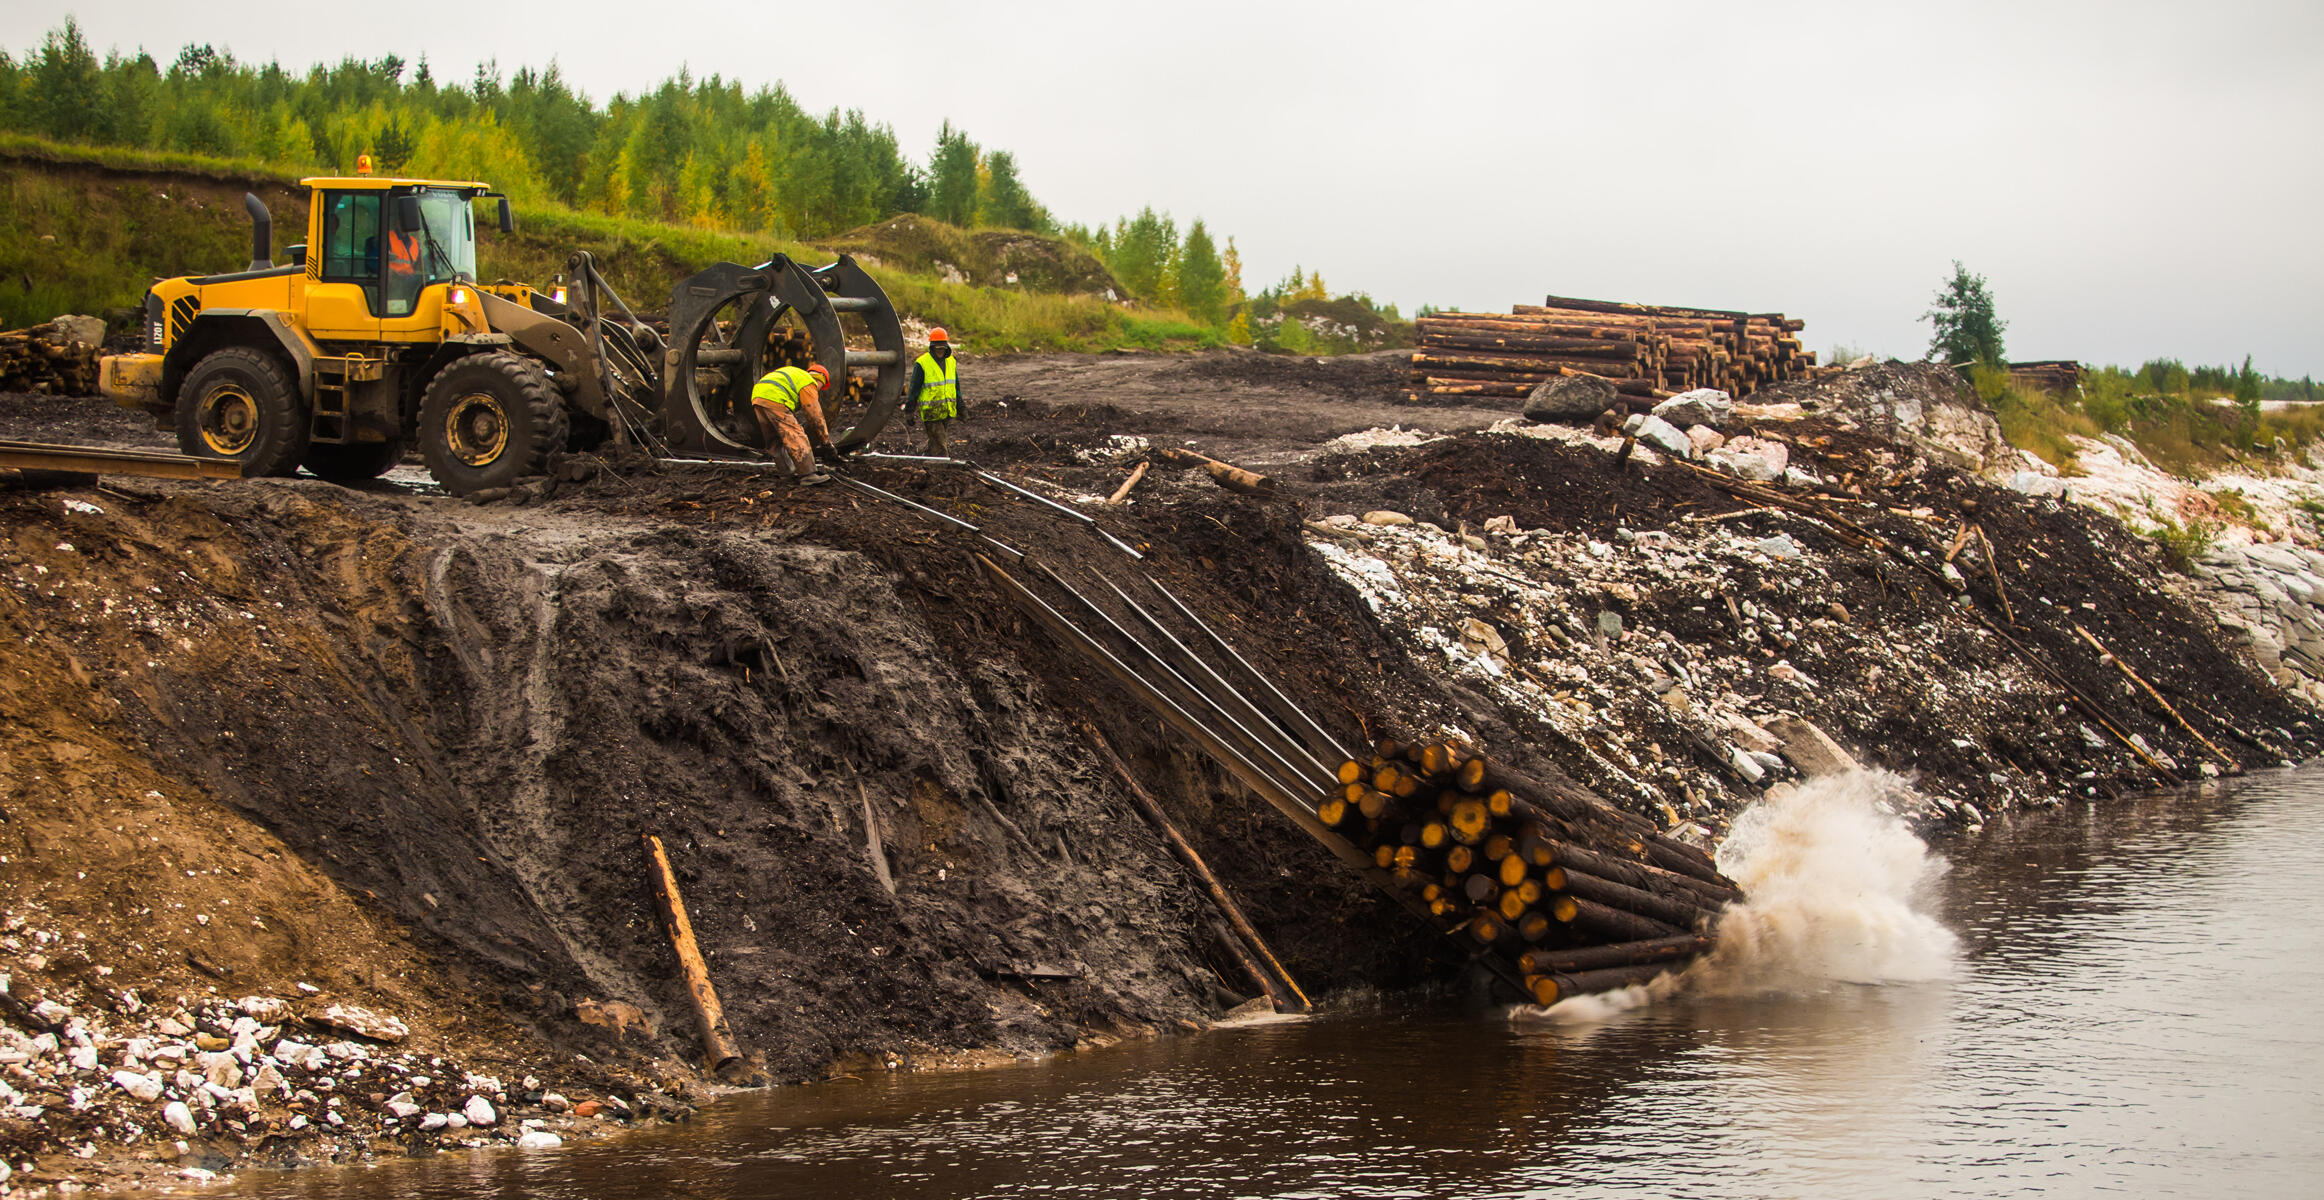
448, 243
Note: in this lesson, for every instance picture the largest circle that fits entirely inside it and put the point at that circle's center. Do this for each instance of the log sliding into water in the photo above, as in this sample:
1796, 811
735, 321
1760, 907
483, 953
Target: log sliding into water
1573, 894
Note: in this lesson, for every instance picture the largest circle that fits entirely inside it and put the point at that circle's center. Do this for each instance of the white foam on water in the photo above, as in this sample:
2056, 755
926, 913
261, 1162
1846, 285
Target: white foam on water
1836, 891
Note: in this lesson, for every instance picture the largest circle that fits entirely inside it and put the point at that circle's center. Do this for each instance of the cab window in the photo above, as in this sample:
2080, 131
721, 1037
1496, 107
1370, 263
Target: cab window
351, 241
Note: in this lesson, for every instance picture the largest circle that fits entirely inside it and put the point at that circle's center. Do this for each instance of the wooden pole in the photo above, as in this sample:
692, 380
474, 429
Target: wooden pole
2116, 659
1121, 493
1549, 989
717, 1040
1228, 475
1669, 910
1187, 854
1614, 954
1993, 567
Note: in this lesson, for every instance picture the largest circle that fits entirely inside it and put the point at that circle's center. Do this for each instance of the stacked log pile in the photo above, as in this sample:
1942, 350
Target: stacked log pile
1650, 351
1572, 895
49, 359
2058, 377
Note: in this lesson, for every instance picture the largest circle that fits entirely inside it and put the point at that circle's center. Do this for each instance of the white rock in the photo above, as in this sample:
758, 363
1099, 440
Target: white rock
1780, 547
539, 1139
1702, 406
479, 1111
433, 1121
300, 1055
556, 1102
144, 1087
1664, 436
1791, 674
1746, 766
1796, 477
363, 1022
221, 1069
402, 1107
268, 1079
177, 1116
263, 1008
455, 1121
1705, 439
83, 1057
52, 1012
1751, 458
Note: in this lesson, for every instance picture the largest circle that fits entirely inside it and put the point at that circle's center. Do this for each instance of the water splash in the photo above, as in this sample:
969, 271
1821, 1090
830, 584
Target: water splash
1836, 887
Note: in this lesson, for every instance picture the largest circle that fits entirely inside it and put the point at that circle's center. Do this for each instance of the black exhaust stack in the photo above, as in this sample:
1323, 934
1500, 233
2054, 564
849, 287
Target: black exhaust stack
261, 233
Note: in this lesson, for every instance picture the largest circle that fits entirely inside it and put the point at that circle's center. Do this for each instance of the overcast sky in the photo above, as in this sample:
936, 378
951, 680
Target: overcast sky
2134, 179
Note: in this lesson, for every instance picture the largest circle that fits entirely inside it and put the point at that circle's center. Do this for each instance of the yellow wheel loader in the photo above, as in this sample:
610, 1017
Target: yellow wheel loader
376, 336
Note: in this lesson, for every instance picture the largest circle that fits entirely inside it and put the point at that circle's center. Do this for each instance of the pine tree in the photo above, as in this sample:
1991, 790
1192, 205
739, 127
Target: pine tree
1144, 247
1005, 202
1967, 331
2247, 395
952, 177
66, 86
391, 151
1201, 277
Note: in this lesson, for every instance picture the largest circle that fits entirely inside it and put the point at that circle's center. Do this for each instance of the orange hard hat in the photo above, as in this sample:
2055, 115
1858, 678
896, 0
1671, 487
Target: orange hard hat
817, 370
938, 335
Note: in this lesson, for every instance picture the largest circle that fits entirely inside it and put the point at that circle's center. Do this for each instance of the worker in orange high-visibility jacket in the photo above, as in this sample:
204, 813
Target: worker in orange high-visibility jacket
933, 391
788, 402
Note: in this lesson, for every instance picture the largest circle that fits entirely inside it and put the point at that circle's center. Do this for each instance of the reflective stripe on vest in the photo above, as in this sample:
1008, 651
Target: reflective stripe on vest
939, 387
782, 386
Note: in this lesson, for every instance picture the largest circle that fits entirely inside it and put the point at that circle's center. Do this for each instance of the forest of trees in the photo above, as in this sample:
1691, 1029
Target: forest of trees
699, 151
704, 152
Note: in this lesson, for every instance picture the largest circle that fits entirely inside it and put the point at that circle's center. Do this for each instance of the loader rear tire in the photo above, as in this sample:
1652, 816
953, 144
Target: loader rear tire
353, 462
240, 403
489, 420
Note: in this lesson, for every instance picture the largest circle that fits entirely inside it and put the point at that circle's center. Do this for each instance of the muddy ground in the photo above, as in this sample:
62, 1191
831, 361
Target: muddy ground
418, 741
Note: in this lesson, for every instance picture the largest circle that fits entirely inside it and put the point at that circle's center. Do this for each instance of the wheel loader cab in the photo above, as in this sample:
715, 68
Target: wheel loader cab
379, 246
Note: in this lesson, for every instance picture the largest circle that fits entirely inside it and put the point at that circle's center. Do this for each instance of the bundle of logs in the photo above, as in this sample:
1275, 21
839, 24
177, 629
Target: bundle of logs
1649, 351
2059, 377
52, 358
1571, 895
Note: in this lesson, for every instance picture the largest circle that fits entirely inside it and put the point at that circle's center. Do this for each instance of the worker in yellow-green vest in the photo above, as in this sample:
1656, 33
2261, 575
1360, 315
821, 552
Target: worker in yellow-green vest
788, 402
933, 392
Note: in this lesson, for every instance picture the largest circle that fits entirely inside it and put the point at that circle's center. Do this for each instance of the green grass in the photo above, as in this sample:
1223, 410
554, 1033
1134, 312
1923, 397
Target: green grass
2190, 431
2183, 544
86, 230
20, 145
2033, 420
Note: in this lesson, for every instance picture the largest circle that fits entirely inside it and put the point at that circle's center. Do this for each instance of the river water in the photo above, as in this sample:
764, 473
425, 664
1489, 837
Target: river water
2112, 998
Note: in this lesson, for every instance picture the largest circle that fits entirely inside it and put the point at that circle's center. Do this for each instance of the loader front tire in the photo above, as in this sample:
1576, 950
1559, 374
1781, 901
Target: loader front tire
489, 420
240, 403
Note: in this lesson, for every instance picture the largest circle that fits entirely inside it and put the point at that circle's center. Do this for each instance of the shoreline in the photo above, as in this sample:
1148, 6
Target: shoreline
515, 690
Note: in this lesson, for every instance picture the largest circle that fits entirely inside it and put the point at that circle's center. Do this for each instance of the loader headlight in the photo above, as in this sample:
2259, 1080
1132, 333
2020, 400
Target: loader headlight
557, 294
460, 297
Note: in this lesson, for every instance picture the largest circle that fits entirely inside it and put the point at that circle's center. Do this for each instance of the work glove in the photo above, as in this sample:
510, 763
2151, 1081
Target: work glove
826, 454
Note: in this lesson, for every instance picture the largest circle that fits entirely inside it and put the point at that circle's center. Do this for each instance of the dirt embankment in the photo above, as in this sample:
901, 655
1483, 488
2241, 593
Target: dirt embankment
401, 750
